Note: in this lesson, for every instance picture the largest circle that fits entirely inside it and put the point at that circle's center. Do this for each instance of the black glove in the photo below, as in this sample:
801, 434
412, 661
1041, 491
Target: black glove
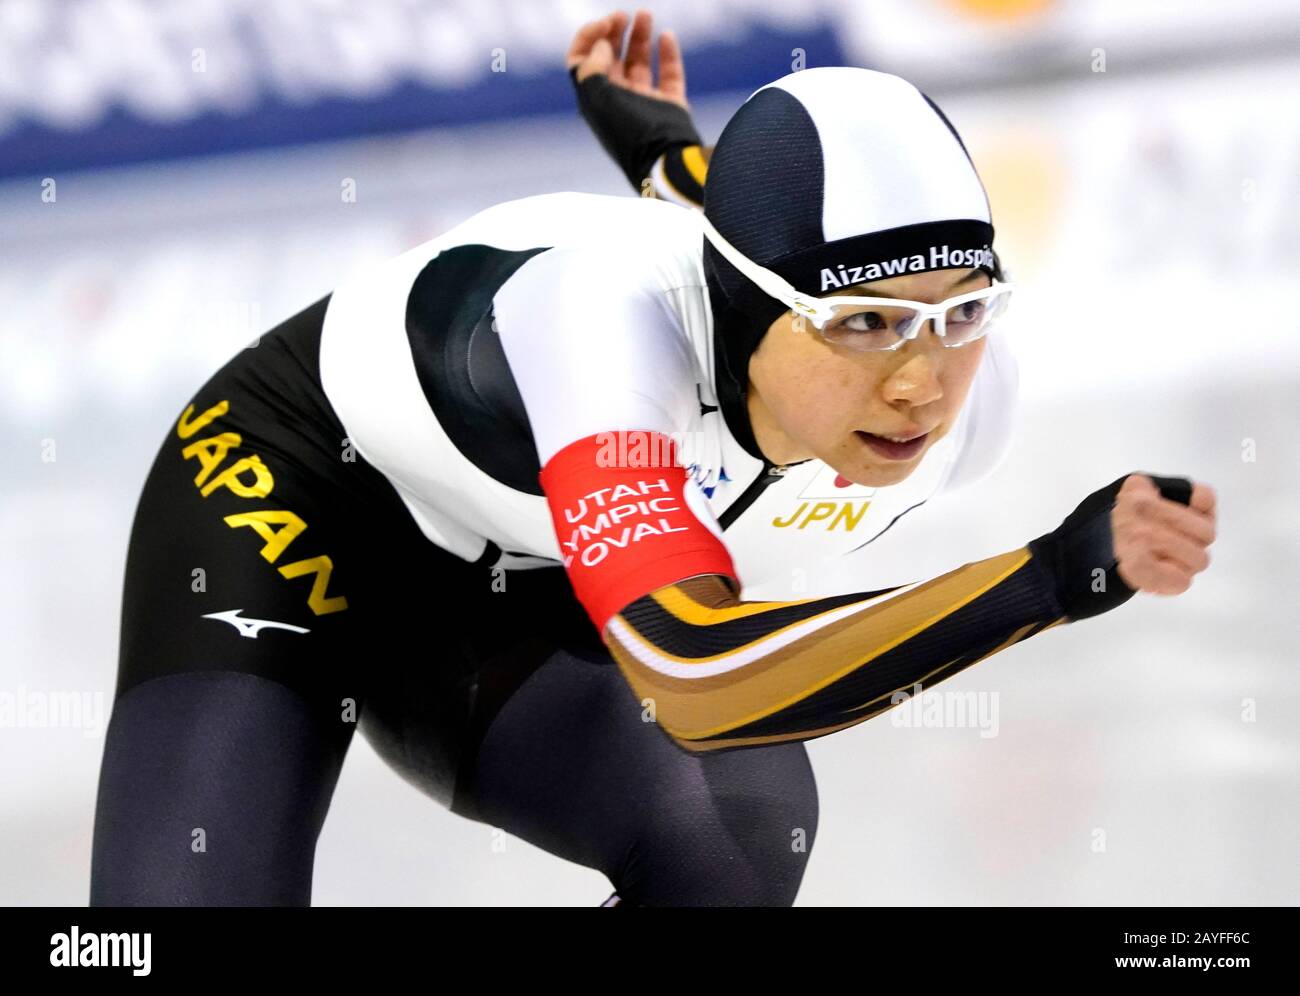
1082, 543
633, 128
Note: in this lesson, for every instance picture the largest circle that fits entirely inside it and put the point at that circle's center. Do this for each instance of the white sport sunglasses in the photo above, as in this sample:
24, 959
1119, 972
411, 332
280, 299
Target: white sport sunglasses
875, 323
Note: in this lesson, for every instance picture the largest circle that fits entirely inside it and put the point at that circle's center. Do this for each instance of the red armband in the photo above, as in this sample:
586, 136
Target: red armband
623, 518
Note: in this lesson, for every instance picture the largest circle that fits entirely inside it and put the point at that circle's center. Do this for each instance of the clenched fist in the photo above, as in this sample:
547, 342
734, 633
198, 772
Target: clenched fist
1161, 544
1139, 533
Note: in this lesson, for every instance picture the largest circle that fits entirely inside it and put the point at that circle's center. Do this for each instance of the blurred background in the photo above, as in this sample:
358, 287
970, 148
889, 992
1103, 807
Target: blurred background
170, 187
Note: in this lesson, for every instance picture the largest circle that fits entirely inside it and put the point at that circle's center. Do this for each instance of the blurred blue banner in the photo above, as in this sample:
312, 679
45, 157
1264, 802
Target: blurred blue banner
93, 84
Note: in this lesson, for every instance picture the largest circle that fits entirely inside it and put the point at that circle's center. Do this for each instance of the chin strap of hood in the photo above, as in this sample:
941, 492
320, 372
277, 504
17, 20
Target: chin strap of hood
736, 334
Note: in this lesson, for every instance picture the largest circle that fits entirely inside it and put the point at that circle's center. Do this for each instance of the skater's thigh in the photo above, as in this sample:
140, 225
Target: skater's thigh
574, 764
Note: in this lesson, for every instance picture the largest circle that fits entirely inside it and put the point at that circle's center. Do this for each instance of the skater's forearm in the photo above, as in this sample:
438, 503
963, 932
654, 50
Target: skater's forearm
723, 673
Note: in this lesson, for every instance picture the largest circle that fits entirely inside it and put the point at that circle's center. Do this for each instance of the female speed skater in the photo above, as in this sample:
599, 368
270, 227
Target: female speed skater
496, 501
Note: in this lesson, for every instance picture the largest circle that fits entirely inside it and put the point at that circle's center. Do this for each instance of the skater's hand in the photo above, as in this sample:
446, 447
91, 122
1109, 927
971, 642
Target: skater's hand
1160, 545
598, 48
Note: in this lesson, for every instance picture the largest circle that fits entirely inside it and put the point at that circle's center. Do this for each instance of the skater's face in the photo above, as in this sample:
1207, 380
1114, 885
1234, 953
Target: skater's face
811, 396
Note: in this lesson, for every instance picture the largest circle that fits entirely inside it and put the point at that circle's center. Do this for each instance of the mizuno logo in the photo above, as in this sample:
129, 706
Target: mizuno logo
251, 627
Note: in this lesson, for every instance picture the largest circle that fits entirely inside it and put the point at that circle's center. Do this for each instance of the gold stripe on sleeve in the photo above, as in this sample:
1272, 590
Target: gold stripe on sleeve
693, 160
705, 706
